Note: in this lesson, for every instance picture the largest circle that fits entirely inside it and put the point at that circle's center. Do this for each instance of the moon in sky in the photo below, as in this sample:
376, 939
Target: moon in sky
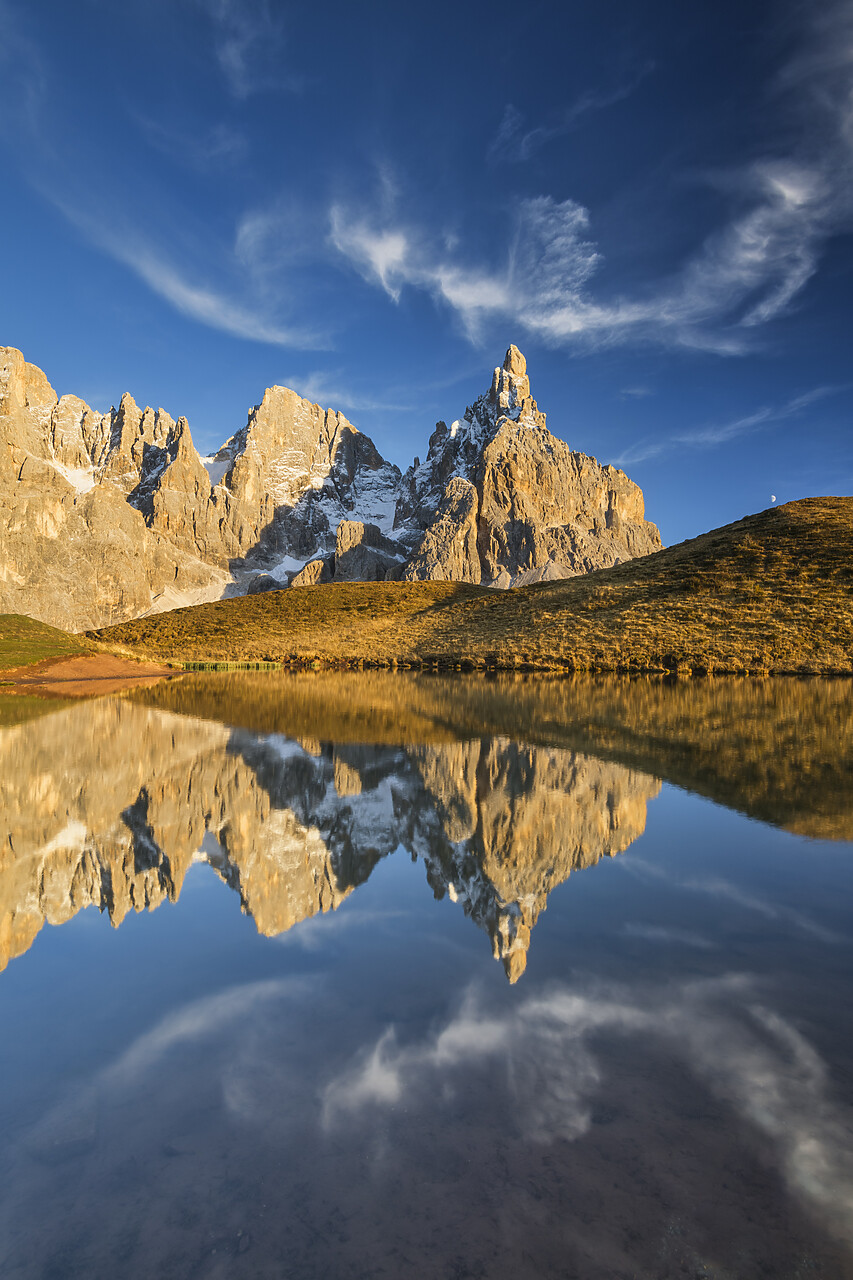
773, 497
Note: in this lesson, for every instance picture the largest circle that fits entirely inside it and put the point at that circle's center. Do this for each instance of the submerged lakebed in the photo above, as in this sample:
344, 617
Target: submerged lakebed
447, 977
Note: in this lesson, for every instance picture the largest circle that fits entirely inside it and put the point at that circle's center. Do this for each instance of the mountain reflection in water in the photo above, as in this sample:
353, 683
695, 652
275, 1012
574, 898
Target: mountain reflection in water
110, 803
666, 1092
293, 788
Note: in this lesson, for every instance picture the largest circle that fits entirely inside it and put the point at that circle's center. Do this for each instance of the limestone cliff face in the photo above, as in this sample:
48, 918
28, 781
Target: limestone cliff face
109, 805
540, 509
88, 515
106, 517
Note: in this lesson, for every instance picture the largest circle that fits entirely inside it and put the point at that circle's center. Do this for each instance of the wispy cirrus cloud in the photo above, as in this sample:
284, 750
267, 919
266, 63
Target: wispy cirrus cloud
213, 307
329, 387
513, 143
742, 276
217, 145
549, 256
194, 272
716, 433
249, 46
748, 272
23, 75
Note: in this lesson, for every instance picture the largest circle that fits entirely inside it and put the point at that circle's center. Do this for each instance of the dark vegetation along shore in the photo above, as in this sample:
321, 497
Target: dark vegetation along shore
772, 593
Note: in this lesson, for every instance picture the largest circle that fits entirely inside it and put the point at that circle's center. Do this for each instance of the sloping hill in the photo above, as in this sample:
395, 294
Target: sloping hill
24, 641
772, 592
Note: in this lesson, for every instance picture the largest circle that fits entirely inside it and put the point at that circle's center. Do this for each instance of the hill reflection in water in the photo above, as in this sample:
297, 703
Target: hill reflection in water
666, 1091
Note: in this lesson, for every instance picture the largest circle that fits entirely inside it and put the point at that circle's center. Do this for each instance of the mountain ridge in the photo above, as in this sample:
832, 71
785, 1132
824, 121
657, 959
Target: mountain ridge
110, 517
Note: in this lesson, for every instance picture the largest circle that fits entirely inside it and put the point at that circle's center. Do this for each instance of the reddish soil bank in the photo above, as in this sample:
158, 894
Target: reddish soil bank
82, 676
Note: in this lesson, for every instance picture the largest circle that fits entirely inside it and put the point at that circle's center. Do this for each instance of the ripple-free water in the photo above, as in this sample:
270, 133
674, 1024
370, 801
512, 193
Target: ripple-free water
426, 998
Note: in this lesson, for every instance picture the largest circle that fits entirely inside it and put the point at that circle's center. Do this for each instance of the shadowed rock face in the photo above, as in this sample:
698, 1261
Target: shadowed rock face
109, 804
106, 517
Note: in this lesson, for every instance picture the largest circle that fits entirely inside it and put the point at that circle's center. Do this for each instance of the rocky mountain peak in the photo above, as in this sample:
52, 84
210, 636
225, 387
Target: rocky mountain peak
509, 395
105, 517
514, 361
501, 500
22, 385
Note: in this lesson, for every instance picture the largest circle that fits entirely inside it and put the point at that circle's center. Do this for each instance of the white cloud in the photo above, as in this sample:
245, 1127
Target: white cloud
548, 254
661, 933
202, 304
198, 1021
745, 274
514, 144
722, 432
717, 887
176, 263
23, 75
746, 1054
249, 43
211, 307
219, 145
382, 256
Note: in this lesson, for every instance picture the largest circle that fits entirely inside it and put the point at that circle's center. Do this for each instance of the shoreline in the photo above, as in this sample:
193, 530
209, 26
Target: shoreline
81, 676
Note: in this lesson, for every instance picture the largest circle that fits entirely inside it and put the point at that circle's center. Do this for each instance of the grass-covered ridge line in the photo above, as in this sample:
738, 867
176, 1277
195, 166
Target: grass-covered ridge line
770, 593
25, 641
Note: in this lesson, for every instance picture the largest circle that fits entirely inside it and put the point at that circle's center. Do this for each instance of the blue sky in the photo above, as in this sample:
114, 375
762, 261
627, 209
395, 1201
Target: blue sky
369, 202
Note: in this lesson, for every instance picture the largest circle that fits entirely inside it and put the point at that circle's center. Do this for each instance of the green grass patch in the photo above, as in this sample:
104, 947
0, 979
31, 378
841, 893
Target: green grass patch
24, 641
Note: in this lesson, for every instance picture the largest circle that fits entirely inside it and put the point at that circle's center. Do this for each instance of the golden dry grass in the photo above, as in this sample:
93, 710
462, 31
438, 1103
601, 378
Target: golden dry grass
771, 593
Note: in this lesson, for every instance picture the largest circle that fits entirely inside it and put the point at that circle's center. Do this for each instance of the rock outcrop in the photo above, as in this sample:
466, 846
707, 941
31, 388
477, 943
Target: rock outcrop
448, 551
540, 509
106, 517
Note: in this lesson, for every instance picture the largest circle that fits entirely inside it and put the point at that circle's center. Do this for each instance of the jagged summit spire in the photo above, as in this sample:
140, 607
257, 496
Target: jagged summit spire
514, 362
510, 390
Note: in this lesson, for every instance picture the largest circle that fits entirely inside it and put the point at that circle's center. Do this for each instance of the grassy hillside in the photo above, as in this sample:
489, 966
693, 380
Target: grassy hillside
772, 592
24, 641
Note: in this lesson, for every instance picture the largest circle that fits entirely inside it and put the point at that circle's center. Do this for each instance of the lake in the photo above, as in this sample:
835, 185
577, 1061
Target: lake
413, 976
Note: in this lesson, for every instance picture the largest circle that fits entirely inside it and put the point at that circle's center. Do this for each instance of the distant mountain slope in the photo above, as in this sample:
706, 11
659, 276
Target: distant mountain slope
772, 592
106, 517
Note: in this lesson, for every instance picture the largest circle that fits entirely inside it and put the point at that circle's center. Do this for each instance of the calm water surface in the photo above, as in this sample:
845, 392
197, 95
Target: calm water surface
388, 976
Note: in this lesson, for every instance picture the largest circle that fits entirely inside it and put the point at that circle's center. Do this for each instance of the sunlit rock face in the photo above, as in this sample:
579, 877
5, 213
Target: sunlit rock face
109, 805
541, 511
105, 517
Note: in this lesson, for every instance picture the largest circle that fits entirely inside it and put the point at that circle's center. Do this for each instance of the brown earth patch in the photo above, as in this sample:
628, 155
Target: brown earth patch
82, 676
